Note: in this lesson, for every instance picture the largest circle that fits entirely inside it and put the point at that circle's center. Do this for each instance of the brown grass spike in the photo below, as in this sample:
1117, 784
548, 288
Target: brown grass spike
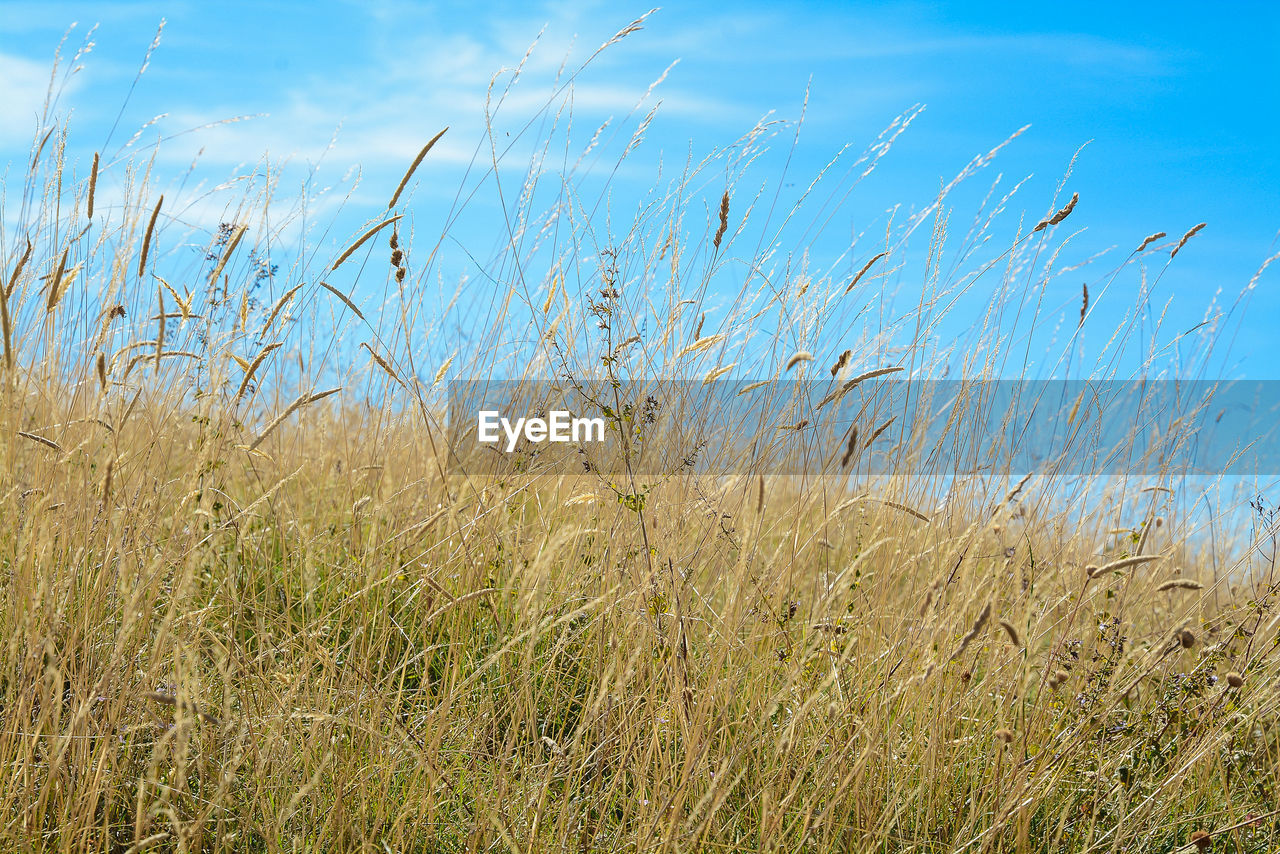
395, 197
93, 184
1183, 242
146, 238
724, 220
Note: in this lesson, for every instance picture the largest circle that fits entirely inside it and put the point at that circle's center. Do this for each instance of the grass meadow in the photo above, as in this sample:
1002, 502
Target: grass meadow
248, 604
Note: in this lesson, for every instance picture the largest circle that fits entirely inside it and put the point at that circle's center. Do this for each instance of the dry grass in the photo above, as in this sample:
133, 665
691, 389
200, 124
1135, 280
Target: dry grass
232, 622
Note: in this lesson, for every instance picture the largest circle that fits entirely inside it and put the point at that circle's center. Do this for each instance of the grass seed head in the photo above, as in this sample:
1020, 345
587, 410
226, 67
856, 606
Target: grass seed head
724, 220
799, 357
1011, 632
1180, 584
1151, 239
1183, 242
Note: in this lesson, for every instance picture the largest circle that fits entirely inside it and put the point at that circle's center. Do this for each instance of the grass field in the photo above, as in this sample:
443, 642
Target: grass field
242, 614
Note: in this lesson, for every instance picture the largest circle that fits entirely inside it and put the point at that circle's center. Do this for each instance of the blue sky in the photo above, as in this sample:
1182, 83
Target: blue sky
1177, 105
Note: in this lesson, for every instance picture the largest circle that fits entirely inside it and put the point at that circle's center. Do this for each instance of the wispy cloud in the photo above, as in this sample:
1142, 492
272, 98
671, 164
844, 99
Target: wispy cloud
409, 83
25, 85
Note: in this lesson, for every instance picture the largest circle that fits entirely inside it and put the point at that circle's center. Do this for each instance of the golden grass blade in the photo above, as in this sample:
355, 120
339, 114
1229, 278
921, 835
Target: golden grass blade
159, 331
395, 197
157, 356
254, 365
146, 238
56, 275
183, 306
834, 397
870, 375
5, 329
263, 498
701, 344
382, 363
551, 292
1195, 229
1151, 238
1122, 563
93, 184
226, 253
58, 291
106, 480
17, 271
1012, 632
850, 447
841, 362
303, 400
363, 239
444, 369
345, 299
321, 395
43, 141
1180, 584
717, 373
724, 220
876, 433
48, 443
896, 505
863, 271
973, 632
798, 358
1058, 217
55, 282
280, 304
176, 315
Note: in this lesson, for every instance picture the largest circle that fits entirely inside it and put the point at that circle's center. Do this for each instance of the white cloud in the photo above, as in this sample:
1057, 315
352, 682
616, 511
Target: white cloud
386, 110
23, 87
